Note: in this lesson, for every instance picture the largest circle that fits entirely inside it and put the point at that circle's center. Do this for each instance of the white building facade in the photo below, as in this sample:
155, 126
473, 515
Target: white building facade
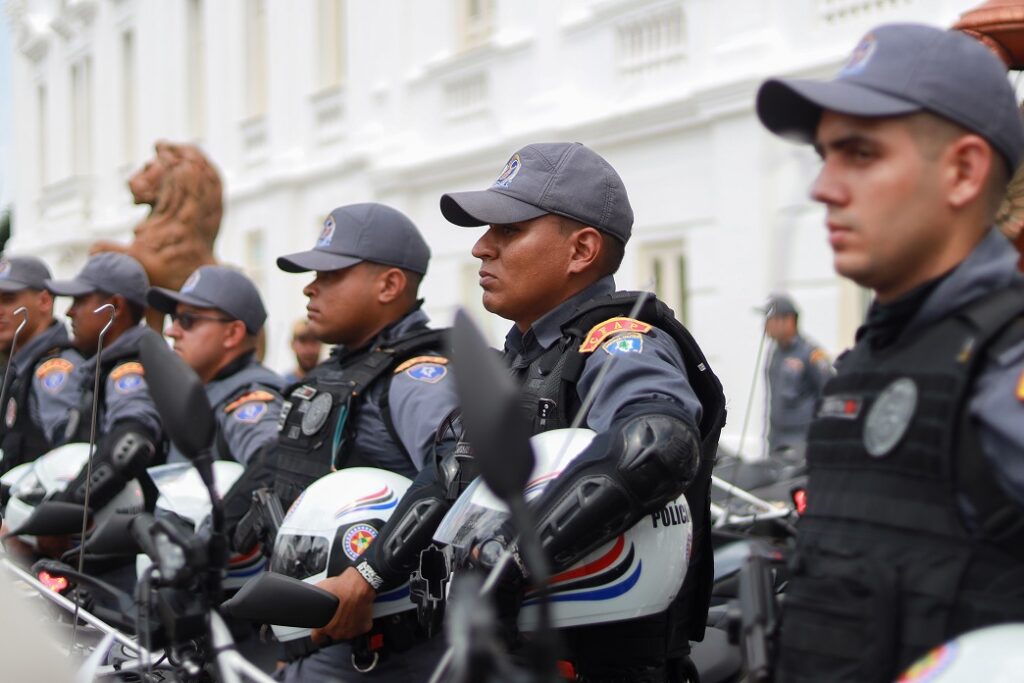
305, 105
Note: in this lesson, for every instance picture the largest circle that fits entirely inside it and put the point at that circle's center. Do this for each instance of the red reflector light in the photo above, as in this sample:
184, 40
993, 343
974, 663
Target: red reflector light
58, 584
800, 500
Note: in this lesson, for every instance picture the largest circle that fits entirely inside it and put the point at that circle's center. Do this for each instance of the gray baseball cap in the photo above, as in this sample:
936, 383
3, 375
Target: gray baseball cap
363, 232
899, 69
23, 272
108, 272
218, 287
778, 305
563, 178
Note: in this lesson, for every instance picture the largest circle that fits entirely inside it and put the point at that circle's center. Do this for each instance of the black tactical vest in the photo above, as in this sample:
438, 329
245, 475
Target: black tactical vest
80, 419
21, 438
550, 401
319, 413
886, 566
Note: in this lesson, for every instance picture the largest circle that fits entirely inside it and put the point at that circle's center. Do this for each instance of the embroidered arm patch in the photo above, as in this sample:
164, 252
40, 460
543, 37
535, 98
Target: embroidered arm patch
598, 333
54, 373
127, 377
437, 360
263, 396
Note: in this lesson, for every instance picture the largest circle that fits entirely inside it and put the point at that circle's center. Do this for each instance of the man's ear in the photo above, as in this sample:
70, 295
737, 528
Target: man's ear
391, 284
969, 162
586, 245
45, 301
236, 334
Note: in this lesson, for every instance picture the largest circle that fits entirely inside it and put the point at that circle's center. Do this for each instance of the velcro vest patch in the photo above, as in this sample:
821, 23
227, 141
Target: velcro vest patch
132, 368
258, 395
439, 360
598, 333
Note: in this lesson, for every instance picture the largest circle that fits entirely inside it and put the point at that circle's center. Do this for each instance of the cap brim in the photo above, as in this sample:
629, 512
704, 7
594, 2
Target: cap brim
486, 207
166, 300
69, 287
324, 261
12, 286
792, 108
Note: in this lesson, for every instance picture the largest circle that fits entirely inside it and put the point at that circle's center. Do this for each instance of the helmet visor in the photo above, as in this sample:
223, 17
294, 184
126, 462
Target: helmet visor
299, 556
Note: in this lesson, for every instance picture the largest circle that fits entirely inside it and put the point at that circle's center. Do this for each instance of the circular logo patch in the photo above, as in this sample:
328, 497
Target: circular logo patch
316, 415
191, 282
251, 412
128, 383
327, 234
357, 539
510, 171
5, 268
889, 417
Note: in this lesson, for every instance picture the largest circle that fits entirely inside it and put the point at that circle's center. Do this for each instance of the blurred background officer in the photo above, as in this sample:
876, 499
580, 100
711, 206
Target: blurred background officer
382, 394
306, 348
41, 366
796, 372
215, 320
914, 528
129, 434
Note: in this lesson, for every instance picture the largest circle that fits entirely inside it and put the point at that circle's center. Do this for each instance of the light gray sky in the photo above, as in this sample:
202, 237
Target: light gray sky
6, 112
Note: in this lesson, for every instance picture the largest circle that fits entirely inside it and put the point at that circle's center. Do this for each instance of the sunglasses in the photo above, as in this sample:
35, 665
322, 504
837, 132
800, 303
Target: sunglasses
187, 320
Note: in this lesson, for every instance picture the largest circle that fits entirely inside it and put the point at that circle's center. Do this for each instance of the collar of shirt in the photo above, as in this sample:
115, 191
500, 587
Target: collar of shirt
54, 335
546, 330
243, 361
129, 337
990, 266
410, 322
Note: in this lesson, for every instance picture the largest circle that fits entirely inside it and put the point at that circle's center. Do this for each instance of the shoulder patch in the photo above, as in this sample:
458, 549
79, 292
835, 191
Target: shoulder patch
132, 368
252, 412
127, 377
260, 395
818, 356
598, 333
53, 374
431, 373
1020, 387
624, 343
436, 360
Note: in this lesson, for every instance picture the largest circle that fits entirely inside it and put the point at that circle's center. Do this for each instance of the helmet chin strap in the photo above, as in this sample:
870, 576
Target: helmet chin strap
112, 312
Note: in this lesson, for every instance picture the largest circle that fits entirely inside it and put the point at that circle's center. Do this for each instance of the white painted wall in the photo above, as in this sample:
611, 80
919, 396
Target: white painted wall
418, 115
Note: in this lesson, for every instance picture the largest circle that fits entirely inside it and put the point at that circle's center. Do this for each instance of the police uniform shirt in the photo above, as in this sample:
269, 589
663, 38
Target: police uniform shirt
246, 401
126, 396
797, 373
420, 394
644, 366
51, 379
997, 398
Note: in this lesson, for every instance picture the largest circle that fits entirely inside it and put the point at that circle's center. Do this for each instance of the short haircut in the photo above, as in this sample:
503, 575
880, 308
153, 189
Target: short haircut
612, 249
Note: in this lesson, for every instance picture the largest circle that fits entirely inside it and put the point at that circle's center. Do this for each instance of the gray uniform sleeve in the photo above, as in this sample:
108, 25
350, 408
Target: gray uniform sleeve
54, 393
997, 406
249, 422
643, 368
819, 369
421, 395
127, 398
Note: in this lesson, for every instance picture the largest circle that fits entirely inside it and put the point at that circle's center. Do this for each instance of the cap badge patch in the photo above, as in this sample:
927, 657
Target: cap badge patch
357, 539
53, 374
5, 269
624, 343
509, 173
598, 333
191, 282
860, 56
327, 234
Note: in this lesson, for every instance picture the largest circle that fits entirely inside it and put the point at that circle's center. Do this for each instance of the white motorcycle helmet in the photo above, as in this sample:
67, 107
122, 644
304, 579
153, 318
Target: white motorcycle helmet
50, 474
183, 493
635, 574
991, 654
329, 526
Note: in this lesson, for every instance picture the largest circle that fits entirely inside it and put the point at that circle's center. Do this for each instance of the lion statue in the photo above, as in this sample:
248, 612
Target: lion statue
177, 236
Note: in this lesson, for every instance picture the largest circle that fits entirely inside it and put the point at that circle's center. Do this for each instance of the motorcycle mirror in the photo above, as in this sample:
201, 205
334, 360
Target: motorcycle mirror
490, 411
281, 600
179, 397
112, 537
52, 518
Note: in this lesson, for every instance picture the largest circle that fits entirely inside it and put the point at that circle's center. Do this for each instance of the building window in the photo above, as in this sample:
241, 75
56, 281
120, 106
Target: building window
652, 41
330, 44
81, 117
256, 59
663, 268
195, 54
127, 98
476, 22
42, 148
254, 253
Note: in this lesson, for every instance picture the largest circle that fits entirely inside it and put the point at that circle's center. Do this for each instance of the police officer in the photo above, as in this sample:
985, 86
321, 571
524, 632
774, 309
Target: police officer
306, 348
912, 532
40, 367
216, 317
129, 435
559, 221
796, 371
377, 401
